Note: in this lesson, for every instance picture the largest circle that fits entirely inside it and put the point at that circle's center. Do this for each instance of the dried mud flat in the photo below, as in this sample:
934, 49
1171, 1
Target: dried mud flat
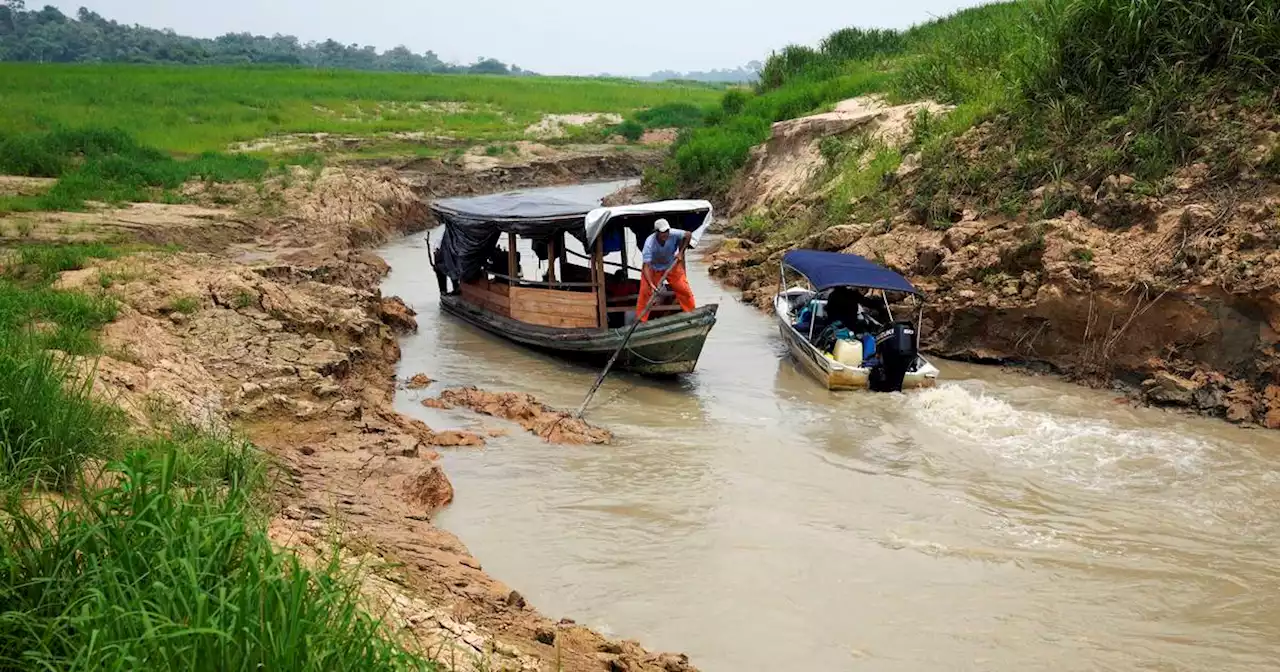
274, 325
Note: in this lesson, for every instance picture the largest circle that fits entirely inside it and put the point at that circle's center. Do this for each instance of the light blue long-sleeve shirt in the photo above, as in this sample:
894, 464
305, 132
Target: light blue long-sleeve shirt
658, 256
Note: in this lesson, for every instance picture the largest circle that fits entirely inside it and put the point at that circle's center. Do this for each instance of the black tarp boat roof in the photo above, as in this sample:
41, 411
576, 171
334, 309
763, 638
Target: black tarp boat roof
520, 212
474, 225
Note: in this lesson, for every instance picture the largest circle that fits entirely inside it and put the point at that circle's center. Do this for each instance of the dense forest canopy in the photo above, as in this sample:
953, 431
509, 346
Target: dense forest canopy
49, 36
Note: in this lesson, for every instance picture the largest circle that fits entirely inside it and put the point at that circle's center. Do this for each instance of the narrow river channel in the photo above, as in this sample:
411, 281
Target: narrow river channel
756, 522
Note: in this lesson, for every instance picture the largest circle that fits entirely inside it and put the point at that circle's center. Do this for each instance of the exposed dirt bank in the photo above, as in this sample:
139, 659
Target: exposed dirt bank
271, 322
1173, 296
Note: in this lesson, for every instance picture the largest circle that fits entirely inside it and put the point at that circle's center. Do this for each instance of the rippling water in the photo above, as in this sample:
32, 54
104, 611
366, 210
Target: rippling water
756, 521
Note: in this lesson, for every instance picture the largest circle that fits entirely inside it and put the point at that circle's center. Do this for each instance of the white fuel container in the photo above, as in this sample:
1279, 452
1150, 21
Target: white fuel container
848, 352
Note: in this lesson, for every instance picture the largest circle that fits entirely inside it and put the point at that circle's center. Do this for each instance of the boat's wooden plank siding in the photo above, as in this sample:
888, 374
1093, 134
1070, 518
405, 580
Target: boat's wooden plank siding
489, 296
554, 308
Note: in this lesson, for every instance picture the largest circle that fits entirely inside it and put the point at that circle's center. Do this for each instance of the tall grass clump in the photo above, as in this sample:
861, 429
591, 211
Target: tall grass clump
49, 422
972, 54
1106, 51
149, 575
1080, 88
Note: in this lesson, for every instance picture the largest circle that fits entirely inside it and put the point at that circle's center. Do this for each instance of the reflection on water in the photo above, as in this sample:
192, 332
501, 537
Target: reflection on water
756, 521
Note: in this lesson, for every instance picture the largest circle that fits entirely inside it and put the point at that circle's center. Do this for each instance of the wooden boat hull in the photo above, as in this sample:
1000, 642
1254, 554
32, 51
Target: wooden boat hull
833, 374
662, 347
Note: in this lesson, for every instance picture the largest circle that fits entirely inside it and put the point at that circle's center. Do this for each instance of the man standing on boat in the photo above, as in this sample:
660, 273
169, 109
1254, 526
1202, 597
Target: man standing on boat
664, 249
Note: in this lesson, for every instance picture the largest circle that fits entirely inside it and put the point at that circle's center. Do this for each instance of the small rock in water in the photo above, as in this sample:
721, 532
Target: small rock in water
418, 381
1166, 388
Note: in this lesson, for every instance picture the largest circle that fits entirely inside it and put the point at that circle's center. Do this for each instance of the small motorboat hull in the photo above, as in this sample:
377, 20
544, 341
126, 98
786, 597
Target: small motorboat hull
833, 374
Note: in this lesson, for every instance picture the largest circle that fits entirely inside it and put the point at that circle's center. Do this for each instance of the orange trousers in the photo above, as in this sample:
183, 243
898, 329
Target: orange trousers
678, 283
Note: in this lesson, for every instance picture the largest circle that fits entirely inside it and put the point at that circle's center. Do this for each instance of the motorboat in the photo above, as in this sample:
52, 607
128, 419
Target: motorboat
840, 315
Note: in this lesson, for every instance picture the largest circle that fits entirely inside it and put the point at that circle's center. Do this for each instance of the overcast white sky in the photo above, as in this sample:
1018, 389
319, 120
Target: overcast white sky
551, 37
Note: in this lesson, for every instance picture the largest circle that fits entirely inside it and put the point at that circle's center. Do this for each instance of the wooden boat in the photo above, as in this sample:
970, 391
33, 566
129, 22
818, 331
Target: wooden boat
567, 302
875, 351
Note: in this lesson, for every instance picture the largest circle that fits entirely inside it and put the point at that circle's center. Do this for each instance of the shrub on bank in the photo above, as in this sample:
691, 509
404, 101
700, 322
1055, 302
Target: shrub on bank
670, 115
630, 129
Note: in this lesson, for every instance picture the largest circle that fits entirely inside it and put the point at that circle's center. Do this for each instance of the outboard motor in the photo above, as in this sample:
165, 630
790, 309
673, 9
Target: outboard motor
897, 352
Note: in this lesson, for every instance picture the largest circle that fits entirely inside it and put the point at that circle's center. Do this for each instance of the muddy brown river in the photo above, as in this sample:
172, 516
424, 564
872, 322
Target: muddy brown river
757, 522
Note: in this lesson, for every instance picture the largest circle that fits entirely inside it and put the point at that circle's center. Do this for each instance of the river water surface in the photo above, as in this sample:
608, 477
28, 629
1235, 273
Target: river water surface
757, 522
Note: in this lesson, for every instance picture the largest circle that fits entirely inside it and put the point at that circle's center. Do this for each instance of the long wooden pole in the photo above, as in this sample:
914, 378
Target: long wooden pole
627, 339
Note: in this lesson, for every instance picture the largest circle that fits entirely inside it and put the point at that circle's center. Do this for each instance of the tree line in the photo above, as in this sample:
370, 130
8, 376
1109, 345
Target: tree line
49, 36
741, 75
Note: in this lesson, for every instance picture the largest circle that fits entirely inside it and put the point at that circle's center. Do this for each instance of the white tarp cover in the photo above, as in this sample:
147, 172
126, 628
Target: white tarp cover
694, 216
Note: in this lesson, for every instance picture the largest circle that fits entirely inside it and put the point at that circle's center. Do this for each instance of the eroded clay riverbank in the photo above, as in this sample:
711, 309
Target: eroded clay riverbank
757, 522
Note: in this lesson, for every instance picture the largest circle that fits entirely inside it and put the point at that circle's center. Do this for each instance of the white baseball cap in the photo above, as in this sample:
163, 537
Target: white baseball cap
661, 226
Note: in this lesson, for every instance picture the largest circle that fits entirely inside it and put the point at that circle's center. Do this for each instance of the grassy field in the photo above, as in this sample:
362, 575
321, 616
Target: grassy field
197, 109
123, 133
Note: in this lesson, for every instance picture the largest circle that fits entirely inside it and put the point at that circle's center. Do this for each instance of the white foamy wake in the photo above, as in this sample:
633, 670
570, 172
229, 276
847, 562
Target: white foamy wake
1090, 452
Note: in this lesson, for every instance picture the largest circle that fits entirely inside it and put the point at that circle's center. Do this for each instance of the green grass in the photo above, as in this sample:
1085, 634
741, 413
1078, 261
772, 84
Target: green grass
670, 115
95, 163
43, 263
1075, 89
48, 423
191, 110
60, 320
150, 574
166, 564
186, 305
155, 553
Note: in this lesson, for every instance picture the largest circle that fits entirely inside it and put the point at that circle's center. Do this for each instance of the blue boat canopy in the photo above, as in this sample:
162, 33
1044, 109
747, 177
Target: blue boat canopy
834, 269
